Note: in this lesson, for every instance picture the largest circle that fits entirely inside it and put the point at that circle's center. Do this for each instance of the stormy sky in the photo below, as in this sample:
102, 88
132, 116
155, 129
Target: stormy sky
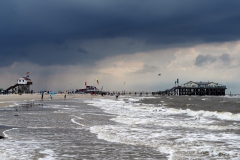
65, 43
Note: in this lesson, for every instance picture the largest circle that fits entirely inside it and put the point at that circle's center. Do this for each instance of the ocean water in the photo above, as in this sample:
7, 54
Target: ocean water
130, 127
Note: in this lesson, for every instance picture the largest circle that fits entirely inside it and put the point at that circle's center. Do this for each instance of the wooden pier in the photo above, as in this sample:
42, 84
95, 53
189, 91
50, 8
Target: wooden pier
181, 91
190, 88
195, 88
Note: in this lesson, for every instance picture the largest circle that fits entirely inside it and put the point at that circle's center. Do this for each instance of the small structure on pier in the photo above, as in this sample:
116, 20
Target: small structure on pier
195, 88
88, 89
200, 84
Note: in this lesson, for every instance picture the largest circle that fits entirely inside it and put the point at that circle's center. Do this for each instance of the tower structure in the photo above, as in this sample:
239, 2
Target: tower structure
24, 85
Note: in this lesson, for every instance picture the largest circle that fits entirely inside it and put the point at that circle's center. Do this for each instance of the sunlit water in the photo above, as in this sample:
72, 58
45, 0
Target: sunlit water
127, 128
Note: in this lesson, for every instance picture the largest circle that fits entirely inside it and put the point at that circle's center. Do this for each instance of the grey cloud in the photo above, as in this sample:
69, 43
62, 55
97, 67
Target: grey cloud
81, 50
225, 58
147, 69
204, 59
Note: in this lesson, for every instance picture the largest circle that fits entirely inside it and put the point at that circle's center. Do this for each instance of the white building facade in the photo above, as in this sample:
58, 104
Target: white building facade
192, 84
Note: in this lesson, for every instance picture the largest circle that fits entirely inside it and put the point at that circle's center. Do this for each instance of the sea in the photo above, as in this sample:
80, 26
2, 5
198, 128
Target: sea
131, 127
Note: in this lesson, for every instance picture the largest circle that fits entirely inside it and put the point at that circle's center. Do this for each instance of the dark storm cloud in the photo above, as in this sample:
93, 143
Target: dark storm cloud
202, 60
81, 50
157, 23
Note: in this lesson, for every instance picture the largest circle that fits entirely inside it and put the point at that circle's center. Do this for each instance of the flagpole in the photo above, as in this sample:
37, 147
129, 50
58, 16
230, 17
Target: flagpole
160, 82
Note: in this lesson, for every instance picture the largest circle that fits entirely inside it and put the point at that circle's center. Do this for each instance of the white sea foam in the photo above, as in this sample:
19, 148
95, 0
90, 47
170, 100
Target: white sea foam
5, 132
20, 150
232, 96
73, 120
183, 134
207, 114
76, 117
133, 99
190, 145
48, 154
109, 104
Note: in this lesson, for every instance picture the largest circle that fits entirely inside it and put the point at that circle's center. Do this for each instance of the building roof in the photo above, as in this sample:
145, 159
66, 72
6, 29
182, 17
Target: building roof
201, 83
24, 78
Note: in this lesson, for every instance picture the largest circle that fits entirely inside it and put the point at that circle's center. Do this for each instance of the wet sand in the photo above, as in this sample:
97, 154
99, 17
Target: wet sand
28, 97
10, 100
4, 104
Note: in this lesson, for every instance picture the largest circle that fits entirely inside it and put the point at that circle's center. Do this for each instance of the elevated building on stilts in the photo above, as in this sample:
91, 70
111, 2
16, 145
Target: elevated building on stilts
195, 88
22, 86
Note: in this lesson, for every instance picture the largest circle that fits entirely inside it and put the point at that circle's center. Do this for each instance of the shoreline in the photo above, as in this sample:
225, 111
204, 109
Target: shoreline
36, 96
2, 129
12, 100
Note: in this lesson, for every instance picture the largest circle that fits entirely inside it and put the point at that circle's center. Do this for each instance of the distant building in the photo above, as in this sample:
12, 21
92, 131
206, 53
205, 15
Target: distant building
88, 89
22, 86
195, 88
192, 84
24, 80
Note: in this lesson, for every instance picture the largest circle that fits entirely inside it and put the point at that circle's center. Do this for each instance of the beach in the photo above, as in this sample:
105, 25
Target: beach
130, 127
11, 100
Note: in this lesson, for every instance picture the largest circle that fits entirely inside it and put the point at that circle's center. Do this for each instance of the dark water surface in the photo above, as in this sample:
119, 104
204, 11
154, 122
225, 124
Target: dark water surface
207, 103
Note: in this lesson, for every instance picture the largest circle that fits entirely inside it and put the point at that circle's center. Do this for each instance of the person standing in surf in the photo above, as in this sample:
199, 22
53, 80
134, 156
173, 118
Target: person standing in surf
42, 96
117, 95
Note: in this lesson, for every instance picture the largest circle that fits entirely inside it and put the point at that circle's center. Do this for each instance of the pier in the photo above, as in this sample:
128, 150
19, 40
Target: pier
195, 88
190, 88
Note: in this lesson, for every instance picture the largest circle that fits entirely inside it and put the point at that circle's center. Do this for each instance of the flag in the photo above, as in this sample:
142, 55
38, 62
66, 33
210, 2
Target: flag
27, 74
97, 81
85, 83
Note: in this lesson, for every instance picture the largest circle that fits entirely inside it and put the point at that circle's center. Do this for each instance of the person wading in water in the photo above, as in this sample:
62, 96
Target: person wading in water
42, 96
